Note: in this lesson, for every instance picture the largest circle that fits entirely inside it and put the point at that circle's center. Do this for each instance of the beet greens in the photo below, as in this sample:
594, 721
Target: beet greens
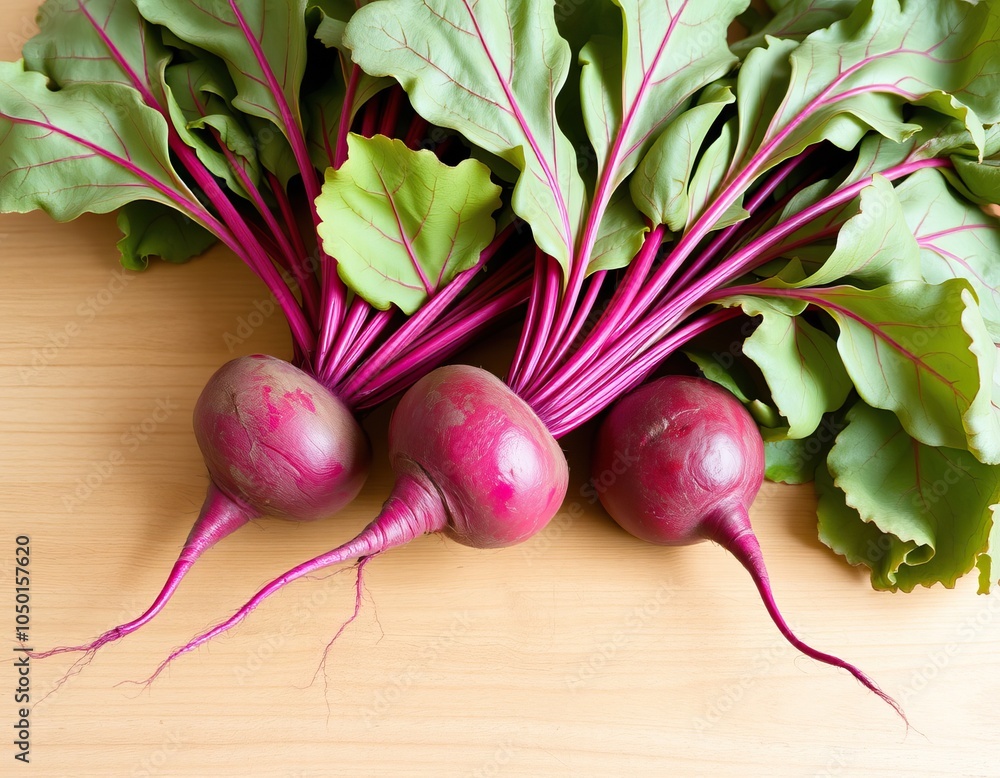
214, 126
743, 164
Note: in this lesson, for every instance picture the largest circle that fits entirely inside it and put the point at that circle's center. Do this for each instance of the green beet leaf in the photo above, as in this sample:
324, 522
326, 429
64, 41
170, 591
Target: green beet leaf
660, 184
929, 510
800, 363
153, 230
491, 71
201, 93
98, 41
262, 42
86, 147
956, 239
401, 223
631, 92
859, 73
917, 349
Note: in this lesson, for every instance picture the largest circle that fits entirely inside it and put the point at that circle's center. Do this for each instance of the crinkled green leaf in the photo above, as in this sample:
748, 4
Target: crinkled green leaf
980, 179
800, 363
331, 18
795, 460
153, 230
859, 73
490, 71
262, 42
401, 223
795, 20
802, 367
98, 41
874, 246
620, 235
956, 239
866, 240
727, 370
907, 348
200, 94
860, 542
791, 461
983, 419
107, 41
988, 563
935, 503
938, 137
631, 92
660, 184
86, 147
732, 375
709, 175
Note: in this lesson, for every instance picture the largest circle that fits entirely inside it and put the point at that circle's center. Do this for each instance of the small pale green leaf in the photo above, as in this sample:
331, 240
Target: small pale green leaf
794, 461
153, 230
729, 371
874, 246
401, 223
333, 16
620, 235
709, 175
633, 91
937, 499
660, 184
200, 92
491, 71
600, 68
725, 370
939, 136
803, 370
262, 42
860, 72
981, 179
795, 20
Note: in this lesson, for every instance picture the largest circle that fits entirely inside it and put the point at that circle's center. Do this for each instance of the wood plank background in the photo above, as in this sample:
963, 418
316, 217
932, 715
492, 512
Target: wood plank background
582, 653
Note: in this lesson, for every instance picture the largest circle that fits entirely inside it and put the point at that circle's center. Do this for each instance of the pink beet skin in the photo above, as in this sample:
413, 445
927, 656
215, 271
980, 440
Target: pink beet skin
276, 442
275, 438
472, 460
462, 434
693, 455
693, 463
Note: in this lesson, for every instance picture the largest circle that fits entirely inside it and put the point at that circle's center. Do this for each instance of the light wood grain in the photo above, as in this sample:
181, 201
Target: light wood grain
582, 653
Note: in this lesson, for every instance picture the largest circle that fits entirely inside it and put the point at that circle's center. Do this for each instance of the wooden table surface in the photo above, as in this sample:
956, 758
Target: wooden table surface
581, 653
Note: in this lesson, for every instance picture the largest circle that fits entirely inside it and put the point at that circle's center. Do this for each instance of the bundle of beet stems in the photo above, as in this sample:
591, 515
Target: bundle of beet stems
826, 171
